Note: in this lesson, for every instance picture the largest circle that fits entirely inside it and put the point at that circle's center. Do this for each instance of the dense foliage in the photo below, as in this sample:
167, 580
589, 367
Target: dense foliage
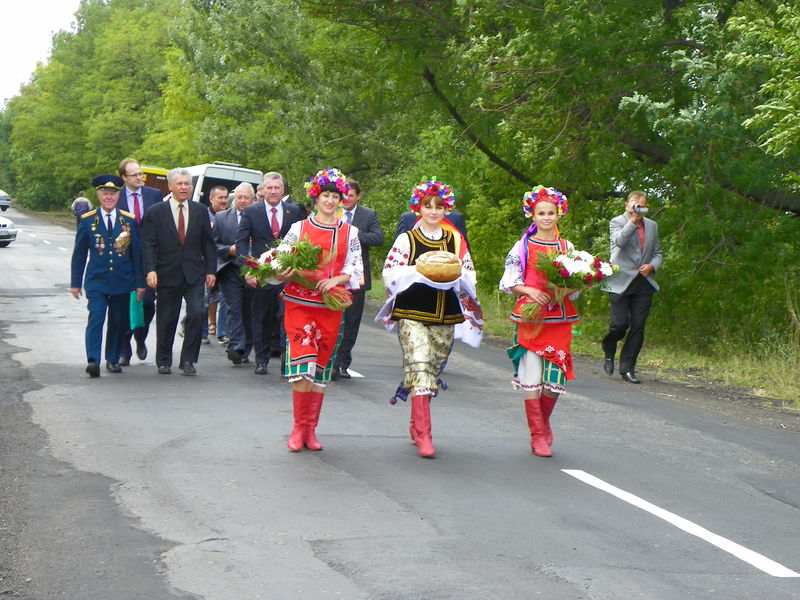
694, 102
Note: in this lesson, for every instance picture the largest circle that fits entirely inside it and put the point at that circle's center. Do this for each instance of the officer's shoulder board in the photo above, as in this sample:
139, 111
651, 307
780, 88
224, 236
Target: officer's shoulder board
91, 213
125, 213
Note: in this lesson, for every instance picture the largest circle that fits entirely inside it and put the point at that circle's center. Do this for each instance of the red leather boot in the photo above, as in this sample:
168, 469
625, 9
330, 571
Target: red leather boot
539, 445
300, 408
412, 430
421, 417
314, 406
548, 404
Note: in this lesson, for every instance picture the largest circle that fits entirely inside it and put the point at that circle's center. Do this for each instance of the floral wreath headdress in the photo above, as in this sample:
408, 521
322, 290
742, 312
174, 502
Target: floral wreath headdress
333, 175
529, 201
542, 194
431, 187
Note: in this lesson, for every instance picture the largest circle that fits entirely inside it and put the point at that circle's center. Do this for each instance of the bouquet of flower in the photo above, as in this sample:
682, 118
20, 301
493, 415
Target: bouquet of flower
566, 273
123, 241
303, 256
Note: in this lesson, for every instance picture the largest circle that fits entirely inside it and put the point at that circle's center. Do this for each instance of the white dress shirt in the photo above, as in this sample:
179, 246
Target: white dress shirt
278, 214
129, 200
173, 204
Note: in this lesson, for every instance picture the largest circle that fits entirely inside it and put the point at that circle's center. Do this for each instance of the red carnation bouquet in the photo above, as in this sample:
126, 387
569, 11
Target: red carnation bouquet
568, 272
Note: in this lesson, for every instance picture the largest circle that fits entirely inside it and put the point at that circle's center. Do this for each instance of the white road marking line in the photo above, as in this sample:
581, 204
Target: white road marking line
759, 561
354, 373
47, 242
62, 249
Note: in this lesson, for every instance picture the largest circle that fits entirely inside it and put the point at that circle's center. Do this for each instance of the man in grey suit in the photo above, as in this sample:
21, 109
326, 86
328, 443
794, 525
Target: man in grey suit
369, 234
635, 247
237, 296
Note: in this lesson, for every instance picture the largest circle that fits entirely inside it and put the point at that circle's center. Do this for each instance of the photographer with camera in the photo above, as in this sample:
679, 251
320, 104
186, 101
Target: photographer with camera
635, 247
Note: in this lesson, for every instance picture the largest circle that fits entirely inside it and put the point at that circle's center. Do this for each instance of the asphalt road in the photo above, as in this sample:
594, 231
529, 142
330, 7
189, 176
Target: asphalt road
142, 486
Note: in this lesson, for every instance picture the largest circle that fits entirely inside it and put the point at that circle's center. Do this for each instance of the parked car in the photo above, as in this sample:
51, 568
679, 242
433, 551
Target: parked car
5, 201
8, 231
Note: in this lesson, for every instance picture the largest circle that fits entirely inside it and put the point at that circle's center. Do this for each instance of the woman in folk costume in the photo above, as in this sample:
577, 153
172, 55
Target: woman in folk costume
428, 312
311, 327
541, 351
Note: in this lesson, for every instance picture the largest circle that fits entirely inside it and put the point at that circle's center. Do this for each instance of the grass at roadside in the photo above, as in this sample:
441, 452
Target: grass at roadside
767, 372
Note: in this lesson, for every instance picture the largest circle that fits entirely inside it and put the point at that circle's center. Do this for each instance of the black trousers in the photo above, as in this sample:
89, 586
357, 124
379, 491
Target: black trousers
238, 299
350, 323
629, 312
265, 310
168, 310
140, 333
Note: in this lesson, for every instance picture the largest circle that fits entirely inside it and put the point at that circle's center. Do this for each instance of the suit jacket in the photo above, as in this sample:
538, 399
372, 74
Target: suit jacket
110, 271
627, 252
150, 196
163, 253
254, 236
225, 229
369, 234
408, 219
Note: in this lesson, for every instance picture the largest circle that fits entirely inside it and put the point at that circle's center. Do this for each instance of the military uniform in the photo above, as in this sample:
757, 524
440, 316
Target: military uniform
114, 270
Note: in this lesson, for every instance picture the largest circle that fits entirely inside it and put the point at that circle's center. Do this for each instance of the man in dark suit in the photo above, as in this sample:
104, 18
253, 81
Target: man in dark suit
409, 219
369, 234
238, 296
180, 262
136, 198
262, 223
110, 237
635, 247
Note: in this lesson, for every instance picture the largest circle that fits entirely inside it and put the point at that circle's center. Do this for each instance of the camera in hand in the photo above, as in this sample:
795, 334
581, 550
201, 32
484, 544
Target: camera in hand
640, 210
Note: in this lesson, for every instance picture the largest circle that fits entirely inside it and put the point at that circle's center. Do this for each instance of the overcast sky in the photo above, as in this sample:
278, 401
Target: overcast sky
27, 26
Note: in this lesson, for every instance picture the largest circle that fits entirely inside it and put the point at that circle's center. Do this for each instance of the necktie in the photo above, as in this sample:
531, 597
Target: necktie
109, 224
181, 225
238, 218
136, 211
349, 216
276, 228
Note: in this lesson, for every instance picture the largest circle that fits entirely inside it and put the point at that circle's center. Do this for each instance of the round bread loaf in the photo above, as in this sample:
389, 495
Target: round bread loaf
439, 266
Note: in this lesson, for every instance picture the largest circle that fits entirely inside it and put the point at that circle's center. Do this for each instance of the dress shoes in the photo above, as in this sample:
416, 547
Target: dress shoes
141, 350
188, 369
113, 367
235, 357
93, 368
344, 374
164, 370
629, 377
124, 361
261, 369
608, 365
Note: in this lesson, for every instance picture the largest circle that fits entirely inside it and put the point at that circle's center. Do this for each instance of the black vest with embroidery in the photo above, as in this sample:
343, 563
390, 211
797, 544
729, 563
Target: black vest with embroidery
424, 303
